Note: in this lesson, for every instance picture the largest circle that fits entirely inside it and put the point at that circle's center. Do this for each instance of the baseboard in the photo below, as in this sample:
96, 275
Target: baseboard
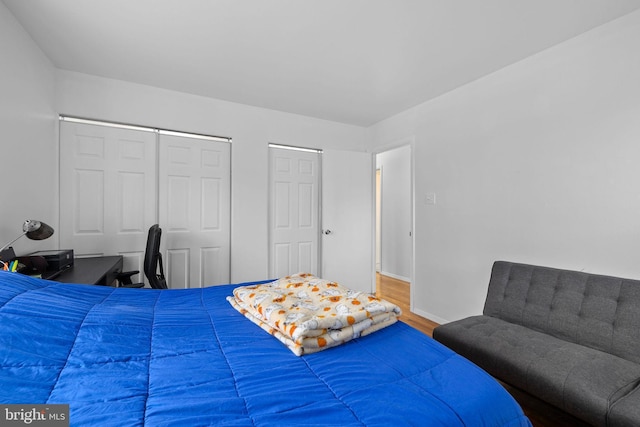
432, 317
395, 276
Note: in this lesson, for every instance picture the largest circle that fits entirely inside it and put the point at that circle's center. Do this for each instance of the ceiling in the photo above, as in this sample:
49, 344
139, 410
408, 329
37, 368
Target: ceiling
350, 61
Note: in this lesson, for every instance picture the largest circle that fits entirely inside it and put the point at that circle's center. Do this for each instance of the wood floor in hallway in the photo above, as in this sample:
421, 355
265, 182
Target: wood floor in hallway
397, 292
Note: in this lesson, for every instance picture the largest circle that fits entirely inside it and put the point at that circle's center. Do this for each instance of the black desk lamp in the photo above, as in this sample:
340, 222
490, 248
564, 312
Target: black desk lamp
34, 230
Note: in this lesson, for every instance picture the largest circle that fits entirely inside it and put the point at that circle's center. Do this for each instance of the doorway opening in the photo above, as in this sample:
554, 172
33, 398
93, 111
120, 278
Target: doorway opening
394, 248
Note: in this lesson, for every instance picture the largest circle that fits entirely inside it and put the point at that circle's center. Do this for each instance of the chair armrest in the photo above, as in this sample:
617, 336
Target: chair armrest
124, 277
131, 285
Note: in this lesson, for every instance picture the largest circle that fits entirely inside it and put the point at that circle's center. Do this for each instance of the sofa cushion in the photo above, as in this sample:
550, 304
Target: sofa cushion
597, 311
580, 380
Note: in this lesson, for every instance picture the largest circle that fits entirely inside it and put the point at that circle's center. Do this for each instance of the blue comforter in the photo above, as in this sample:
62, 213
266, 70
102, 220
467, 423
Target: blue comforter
126, 357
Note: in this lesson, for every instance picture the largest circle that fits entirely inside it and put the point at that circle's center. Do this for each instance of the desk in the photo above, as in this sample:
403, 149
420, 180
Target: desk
100, 270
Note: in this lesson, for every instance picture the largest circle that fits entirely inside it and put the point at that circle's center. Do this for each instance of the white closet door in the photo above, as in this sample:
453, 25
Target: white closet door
294, 229
195, 210
107, 191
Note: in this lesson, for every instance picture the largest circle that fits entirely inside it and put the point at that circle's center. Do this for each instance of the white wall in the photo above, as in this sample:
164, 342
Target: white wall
28, 153
34, 92
251, 129
396, 242
536, 163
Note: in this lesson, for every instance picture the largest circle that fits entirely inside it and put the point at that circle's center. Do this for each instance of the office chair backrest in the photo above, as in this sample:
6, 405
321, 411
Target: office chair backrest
153, 259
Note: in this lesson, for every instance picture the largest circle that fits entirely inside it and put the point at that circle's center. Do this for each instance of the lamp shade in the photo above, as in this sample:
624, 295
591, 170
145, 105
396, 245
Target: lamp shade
37, 230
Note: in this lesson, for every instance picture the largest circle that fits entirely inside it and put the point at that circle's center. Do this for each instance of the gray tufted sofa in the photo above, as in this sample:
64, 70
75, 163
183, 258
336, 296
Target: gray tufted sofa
569, 338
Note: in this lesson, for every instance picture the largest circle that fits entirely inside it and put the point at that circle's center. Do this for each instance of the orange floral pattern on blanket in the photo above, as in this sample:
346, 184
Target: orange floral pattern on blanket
309, 314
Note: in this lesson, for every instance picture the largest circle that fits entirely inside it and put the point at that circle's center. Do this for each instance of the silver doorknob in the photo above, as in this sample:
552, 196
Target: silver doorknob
327, 232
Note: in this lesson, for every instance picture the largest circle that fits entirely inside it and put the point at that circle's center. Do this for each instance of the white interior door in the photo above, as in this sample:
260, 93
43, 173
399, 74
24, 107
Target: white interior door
294, 212
195, 210
107, 191
347, 219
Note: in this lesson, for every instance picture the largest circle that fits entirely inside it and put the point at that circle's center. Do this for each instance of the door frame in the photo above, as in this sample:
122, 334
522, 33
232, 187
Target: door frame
403, 142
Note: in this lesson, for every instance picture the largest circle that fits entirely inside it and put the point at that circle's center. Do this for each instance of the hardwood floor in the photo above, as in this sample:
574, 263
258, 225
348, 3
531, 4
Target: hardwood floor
540, 413
397, 292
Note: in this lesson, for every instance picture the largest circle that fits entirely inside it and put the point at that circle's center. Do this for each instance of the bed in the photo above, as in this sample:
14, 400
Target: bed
132, 357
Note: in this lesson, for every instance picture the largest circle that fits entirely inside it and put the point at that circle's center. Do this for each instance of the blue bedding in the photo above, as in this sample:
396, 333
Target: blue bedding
130, 357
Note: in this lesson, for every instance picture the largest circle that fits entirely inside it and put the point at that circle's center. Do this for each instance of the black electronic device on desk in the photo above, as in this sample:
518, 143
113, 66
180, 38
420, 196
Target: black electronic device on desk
57, 260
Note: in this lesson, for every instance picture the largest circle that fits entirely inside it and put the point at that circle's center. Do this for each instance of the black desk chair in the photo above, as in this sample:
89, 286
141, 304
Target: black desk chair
152, 261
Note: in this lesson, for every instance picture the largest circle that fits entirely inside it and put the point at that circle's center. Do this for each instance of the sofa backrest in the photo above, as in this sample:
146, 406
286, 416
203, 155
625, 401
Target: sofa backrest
601, 312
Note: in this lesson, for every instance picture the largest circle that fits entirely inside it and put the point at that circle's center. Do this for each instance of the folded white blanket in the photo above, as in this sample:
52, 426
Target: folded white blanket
309, 314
